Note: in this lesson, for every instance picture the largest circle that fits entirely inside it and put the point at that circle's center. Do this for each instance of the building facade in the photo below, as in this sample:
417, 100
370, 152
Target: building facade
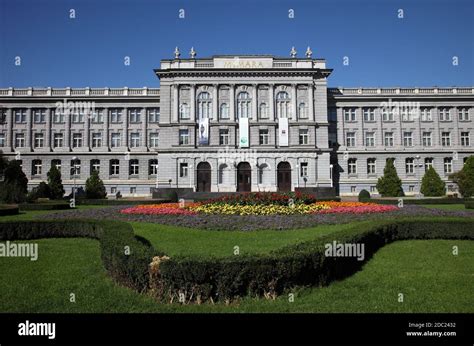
237, 123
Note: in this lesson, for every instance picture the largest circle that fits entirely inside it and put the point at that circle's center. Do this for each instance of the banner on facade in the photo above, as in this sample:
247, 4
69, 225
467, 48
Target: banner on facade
244, 132
204, 131
283, 132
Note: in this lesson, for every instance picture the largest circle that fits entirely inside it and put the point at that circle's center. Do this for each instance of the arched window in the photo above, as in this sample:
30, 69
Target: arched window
223, 174
263, 111
224, 111
302, 110
243, 105
204, 105
184, 111
283, 104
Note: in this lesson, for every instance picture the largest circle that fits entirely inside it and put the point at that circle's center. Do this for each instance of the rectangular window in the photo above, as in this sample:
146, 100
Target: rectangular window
427, 139
428, 163
19, 140
153, 167
134, 140
184, 111
58, 117
349, 114
304, 137
98, 116
154, 136
39, 116
20, 116
444, 114
77, 140
304, 169
224, 138
350, 139
369, 114
352, 166
116, 115
183, 170
448, 165
373, 189
409, 165
153, 115
96, 140
370, 139
426, 114
115, 140
95, 166
407, 114
388, 139
446, 139
134, 167
135, 115
371, 166
465, 139
78, 117
2, 139
463, 114
183, 137
408, 139
114, 167
388, 114
37, 167
224, 111
39, 140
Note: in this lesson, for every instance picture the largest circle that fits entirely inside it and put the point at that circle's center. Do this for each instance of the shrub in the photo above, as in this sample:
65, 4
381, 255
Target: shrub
263, 198
465, 178
40, 191
95, 186
390, 185
14, 187
116, 238
55, 183
469, 205
50, 205
432, 185
6, 209
364, 196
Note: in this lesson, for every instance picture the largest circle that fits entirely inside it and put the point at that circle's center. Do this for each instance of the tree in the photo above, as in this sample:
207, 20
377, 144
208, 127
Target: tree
95, 187
55, 183
14, 187
390, 185
465, 178
40, 191
432, 185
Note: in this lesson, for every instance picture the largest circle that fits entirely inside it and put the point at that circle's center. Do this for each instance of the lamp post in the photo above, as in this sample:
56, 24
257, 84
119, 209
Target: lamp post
418, 175
74, 170
156, 167
331, 166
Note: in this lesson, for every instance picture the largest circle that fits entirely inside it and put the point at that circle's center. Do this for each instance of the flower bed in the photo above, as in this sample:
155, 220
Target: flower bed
233, 208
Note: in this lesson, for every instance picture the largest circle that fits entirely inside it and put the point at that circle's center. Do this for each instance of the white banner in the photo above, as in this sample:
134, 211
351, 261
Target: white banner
204, 131
283, 132
243, 132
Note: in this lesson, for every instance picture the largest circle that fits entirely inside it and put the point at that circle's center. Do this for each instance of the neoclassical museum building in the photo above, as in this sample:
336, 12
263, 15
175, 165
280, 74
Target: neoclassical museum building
238, 123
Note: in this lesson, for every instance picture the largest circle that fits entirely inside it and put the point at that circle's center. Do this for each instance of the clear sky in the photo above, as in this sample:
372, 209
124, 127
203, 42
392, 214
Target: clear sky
383, 49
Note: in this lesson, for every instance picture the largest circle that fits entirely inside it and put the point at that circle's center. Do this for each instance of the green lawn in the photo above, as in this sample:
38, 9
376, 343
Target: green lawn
426, 272
180, 241
32, 214
445, 206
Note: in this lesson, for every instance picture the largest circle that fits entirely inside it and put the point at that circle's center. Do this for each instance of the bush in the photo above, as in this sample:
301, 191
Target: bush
55, 183
432, 185
302, 264
50, 205
469, 205
40, 191
390, 185
14, 187
263, 198
95, 188
465, 178
6, 209
129, 268
364, 196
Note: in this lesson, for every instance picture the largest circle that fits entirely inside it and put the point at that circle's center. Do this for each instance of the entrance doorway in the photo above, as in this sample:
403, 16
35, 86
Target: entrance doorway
284, 176
204, 177
244, 177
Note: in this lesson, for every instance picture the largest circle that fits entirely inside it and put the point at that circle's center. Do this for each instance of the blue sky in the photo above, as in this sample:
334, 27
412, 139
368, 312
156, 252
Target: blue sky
89, 50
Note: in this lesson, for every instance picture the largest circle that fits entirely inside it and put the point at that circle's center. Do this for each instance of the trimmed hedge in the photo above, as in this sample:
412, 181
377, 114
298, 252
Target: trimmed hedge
418, 201
85, 201
469, 205
304, 264
115, 238
51, 205
9, 209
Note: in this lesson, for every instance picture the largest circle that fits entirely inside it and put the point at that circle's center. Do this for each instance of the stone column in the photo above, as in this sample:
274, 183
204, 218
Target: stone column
48, 129
106, 128
144, 128
215, 103
271, 92
29, 129
232, 102
67, 138
254, 102
192, 114
293, 102
87, 130
125, 127
311, 115
175, 110
10, 121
